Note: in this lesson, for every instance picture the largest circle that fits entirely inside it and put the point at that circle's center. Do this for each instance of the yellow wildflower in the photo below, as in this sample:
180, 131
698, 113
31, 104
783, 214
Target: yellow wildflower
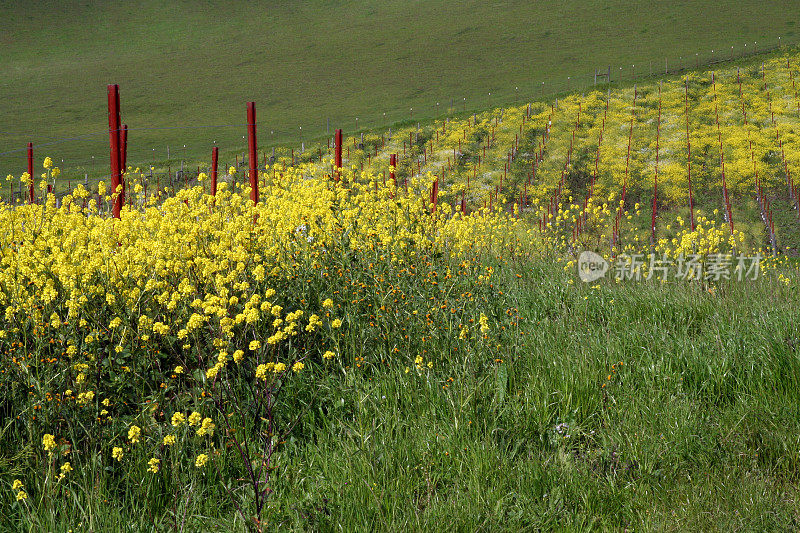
206, 428
134, 433
49, 442
484, 322
178, 419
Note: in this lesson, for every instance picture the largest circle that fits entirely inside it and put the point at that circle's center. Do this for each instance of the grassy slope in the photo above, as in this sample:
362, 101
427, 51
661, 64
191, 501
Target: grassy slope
634, 406
696, 429
197, 63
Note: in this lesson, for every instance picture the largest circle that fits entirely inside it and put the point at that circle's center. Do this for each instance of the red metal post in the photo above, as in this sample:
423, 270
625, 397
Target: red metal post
393, 164
214, 161
114, 138
337, 161
30, 172
434, 195
251, 142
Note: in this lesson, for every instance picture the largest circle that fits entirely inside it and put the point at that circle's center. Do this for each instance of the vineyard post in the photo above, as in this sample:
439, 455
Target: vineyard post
434, 195
122, 160
251, 144
214, 162
30, 172
114, 138
393, 164
337, 162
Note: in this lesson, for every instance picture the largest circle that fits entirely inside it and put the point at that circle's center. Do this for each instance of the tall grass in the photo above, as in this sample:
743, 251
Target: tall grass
638, 406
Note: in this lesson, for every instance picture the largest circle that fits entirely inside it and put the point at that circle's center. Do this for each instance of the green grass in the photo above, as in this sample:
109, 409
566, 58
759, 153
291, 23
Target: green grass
696, 429
197, 63
639, 406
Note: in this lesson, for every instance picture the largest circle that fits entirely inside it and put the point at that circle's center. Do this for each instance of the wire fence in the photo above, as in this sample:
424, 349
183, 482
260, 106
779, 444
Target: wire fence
170, 152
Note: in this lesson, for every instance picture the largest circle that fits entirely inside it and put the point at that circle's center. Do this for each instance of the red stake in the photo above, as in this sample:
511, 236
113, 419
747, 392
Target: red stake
114, 138
337, 162
214, 160
251, 143
435, 195
30, 172
393, 164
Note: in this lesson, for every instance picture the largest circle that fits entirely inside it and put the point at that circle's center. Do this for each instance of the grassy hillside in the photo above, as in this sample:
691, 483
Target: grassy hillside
196, 63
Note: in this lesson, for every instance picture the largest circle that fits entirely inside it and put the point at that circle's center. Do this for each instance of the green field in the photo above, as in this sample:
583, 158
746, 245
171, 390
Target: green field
197, 63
